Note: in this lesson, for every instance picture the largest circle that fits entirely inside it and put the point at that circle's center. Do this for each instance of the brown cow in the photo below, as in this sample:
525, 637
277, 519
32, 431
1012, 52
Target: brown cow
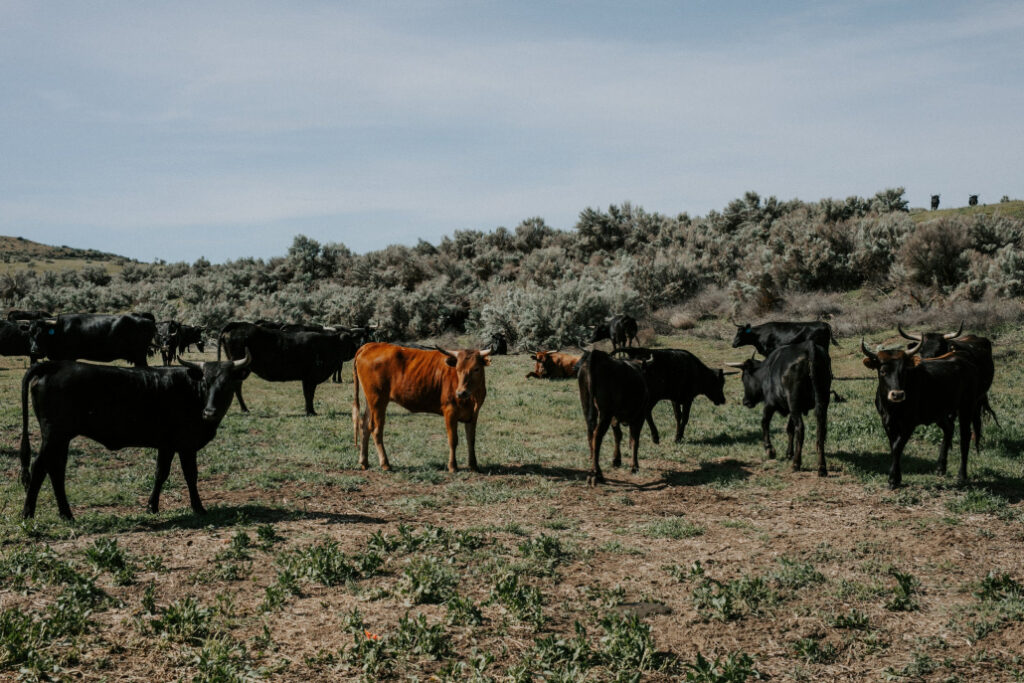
553, 365
448, 383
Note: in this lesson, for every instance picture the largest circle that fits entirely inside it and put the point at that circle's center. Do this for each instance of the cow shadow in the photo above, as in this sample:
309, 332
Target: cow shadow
878, 462
533, 469
216, 517
726, 438
722, 472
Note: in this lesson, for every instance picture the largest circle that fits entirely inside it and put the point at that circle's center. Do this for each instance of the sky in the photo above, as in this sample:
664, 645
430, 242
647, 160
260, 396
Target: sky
221, 130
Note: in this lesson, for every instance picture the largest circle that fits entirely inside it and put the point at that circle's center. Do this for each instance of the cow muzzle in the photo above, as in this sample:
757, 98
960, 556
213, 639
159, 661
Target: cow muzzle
896, 396
209, 415
462, 395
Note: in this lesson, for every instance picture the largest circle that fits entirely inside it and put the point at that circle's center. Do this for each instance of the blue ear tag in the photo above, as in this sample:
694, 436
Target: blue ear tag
748, 329
51, 331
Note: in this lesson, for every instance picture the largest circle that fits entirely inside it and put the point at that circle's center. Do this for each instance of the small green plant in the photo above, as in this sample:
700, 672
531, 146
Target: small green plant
184, 620
106, 555
903, 592
672, 527
286, 584
854, 619
427, 580
416, 636
267, 536
627, 645
735, 667
812, 651
524, 602
463, 612
544, 554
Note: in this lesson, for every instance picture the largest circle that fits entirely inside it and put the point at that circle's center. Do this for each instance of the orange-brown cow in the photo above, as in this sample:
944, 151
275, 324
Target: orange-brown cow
553, 365
448, 383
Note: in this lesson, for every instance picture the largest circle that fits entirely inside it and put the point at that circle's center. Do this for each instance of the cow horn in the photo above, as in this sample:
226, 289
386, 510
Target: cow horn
735, 365
726, 374
912, 349
445, 352
485, 352
244, 363
50, 321
189, 364
955, 334
907, 335
864, 349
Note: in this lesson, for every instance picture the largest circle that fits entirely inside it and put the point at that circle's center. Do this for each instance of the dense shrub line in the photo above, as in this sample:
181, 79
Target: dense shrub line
543, 287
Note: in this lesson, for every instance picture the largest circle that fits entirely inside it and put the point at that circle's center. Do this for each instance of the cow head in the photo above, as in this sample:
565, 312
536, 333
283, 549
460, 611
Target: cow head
930, 344
892, 367
753, 387
40, 335
219, 380
744, 336
716, 388
469, 372
601, 331
543, 366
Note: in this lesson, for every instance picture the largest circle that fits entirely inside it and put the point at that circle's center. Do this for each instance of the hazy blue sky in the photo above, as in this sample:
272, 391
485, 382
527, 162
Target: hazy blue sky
222, 129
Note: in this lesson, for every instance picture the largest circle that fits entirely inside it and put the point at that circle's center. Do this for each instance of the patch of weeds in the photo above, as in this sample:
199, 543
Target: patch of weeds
523, 601
285, 585
106, 555
369, 651
735, 599
267, 536
326, 564
812, 651
735, 667
906, 586
562, 658
153, 563
427, 580
854, 619
184, 620
463, 612
148, 599
238, 547
544, 553
221, 660
23, 643
410, 505
672, 527
35, 564
980, 501
618, 548
921, 666
794, 575
627, 646
606, 598
416, 636
1001, 601
406, 540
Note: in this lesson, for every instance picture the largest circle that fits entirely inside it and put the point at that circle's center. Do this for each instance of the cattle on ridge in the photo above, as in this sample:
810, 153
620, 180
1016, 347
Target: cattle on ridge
174, 410
972, 200
447, 383
915, 391
792, 380
935, 202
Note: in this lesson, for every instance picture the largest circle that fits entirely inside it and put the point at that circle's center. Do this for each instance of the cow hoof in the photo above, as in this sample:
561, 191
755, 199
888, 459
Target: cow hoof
152, 509
199, 510
893, 485
634, 470
384, 468
822, 472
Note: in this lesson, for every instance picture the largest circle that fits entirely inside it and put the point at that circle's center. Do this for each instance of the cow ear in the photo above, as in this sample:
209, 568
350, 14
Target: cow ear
487, 360
533, 356
871, 363
451, 361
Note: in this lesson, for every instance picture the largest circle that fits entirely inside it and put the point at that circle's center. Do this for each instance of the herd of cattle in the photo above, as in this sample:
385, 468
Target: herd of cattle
937, 379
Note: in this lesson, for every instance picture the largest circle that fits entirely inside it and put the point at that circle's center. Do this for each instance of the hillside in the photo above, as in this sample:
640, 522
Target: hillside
1011, 209
19, 254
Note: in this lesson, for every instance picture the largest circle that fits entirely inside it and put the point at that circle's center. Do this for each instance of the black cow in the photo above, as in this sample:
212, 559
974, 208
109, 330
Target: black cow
14, 340
174, 410
93, 337
972, 200
167, 335
769, 336
287, 356
935, 201
792, 380
621, 329
612, 391
915, 391
15, 314
978, 350
678, 376
498, 344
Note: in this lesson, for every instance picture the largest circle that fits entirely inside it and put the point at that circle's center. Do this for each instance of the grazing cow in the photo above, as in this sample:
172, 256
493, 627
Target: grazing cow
286, 356
915, 391
86, 336
613, 391
972, 200
554, 365
678, 376
447, 383
174, 338
14, 340
174, 410
15, 315
935, 201
978, 350
621, 329
792, 380
769, 336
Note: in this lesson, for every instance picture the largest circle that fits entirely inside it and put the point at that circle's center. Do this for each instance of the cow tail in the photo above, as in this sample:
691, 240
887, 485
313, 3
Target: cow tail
26, 448
355, 401
832, 336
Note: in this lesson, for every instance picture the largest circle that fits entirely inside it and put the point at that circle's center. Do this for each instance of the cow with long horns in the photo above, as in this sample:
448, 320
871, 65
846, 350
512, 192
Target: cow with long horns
174, 410
792, 380
916, 391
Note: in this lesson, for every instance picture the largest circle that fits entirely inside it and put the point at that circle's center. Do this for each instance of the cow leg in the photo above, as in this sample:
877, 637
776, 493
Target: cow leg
965, 444
56, 466
374, 424
766, 423
471, 445
896, 446
655, 437
308, 390
596, 436
821, 417
797, 419
790, 427
617, 436
39, 471
163, 468
946, 425
241, 401
191, 472
634, 444
451, 425
682, 414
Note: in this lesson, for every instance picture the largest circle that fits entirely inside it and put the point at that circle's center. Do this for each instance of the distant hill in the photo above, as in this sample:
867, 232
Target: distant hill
20, 249
1011, 209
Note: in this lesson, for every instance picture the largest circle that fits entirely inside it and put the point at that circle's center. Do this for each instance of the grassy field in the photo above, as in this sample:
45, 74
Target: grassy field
710, 564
